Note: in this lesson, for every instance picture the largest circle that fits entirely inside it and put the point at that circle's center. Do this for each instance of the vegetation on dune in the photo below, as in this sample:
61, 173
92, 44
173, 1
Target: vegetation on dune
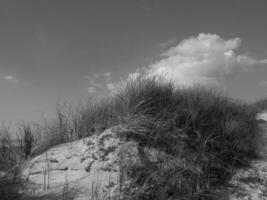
260, 104
211, 134
7, 155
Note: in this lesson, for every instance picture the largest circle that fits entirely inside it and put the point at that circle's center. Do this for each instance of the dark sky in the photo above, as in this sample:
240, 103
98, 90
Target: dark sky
54, 50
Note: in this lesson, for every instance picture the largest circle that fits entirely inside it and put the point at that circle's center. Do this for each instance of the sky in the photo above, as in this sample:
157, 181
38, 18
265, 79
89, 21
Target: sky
60, 50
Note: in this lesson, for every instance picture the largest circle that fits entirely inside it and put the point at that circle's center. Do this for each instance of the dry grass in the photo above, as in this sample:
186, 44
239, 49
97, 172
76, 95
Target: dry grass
210, 133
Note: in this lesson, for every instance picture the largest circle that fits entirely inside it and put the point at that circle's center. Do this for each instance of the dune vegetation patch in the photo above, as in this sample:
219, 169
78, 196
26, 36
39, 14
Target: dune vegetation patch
210, 133
204, 136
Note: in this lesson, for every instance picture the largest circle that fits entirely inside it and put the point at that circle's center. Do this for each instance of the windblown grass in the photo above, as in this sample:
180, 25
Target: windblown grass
260, 104
210, 134
10, 156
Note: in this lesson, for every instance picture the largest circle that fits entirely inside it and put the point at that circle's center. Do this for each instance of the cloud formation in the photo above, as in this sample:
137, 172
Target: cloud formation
91, 89
205, 59
107, 76
100, 83
11, 79
167, 43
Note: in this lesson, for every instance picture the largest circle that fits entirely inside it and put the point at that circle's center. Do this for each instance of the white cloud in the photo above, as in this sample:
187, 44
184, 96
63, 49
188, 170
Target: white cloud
107, 76
263, 83
11, 79
92, 81
167, 43
93, 86
112, 87
103, 85
91, 89
205, 59
96, 76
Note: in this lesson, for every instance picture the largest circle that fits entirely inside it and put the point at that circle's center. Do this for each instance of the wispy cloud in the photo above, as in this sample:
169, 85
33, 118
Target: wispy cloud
96, 75
100, 83
107, 76
91, 89
167, 43
11, 79
112, 87
91, 81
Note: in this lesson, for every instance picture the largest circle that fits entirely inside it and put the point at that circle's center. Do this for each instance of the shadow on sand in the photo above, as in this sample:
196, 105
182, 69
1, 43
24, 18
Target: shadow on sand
11, 189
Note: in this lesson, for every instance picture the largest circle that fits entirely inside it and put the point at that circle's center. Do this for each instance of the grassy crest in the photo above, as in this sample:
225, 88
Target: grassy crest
212, 134
206, 135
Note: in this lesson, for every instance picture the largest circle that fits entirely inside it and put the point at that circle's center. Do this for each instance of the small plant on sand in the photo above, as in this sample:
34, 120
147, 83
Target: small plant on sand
9, 157
26, 138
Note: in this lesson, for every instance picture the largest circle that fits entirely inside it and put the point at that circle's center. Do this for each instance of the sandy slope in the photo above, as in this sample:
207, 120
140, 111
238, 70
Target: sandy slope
90, 168
93, 167
83, 166
251, 183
